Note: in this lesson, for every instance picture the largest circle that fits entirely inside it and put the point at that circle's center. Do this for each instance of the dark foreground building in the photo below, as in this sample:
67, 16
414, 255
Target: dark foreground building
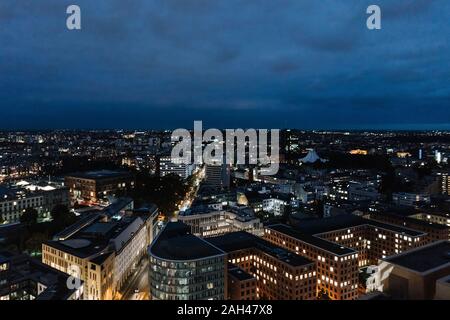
24, 278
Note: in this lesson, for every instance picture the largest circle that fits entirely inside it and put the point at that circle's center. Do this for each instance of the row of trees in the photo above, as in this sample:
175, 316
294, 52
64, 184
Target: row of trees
166, 192
34, 233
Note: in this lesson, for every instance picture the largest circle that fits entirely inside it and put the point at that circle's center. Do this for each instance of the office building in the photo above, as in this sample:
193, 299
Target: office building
168, 166
217, 175
241, 284
207, 222
280, 274
427, 223
104, 250
185, 267
93, 187
341, 245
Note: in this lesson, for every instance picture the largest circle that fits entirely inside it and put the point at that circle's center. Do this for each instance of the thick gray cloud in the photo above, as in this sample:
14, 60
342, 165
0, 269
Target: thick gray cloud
251, 63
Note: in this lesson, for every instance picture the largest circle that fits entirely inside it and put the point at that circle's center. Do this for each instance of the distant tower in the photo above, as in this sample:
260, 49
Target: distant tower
217, 175
420, 154
438, 156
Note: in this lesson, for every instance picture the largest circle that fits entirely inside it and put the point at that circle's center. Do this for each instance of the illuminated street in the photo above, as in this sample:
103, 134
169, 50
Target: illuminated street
137, 285
192, 193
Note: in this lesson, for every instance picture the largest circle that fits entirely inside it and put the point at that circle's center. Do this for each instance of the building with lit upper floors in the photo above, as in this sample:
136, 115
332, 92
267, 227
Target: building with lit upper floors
207, 222
93, 187
102, 250
169, 166
432, 225
41, 196
280, 274
341, 245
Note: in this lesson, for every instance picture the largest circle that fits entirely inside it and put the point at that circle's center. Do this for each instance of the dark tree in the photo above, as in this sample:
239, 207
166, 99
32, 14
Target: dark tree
34, 244
62, 217
29, 217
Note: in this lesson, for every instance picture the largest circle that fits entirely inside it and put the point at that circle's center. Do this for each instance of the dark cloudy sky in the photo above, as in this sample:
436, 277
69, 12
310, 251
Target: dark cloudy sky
231, 63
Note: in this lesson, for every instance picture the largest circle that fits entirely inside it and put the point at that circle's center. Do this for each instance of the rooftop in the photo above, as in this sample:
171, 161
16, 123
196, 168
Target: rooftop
175, 242
94, 236
238, 273
317, 226
242, 240
27, 271
313, 240
424, 259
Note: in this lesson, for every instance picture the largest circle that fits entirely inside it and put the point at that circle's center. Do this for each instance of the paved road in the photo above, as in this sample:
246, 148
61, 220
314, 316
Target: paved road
139, 281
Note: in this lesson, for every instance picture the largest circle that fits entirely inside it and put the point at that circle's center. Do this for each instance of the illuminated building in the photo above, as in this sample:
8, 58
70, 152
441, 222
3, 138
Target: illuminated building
103, 250
42, 197
426, 222
94, 186
166, 167
340, 245
185, 267
410, 199
358, 152
444, 179
280, 274
206, 222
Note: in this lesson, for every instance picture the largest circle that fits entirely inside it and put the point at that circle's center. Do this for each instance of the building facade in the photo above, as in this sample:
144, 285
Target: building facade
185, 267
101, 251
93, 187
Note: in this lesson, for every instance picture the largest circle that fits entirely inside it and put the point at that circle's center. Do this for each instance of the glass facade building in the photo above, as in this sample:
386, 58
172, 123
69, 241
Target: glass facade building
184, 267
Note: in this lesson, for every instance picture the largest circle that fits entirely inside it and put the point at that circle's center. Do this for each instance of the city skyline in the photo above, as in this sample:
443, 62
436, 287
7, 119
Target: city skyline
164, 64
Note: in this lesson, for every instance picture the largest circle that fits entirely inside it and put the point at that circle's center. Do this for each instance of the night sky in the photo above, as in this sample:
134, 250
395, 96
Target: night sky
232, 63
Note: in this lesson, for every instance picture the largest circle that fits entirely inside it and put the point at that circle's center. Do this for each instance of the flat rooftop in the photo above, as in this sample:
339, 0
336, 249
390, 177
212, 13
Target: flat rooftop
425, 258
313, 240
176, 243
238, 273
413, 221
318, 226
242, 240
25, 271
91, 238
